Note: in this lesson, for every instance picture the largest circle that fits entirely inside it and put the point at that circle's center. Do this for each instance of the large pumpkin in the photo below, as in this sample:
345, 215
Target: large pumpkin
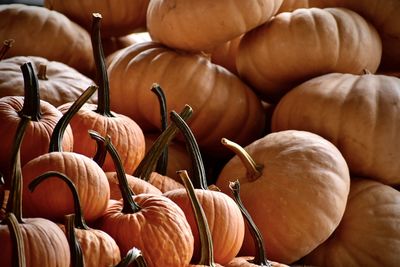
360, 114
296, 46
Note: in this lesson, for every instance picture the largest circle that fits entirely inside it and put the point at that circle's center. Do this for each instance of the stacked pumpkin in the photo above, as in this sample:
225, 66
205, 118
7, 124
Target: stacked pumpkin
289, 88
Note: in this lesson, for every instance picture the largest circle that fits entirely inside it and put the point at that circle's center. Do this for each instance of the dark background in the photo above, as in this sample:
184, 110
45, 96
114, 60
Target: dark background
28, 2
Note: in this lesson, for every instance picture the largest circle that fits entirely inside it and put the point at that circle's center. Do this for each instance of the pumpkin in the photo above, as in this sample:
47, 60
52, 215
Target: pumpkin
38, 31
58, 83
120, 17
290, 5
357, 113
368, 234
225, 54
183, 24
311, 42
7, 44
18, 248
295, 185
221, 101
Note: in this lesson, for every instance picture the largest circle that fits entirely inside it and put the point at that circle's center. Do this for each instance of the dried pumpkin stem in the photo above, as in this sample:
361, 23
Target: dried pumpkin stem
130, 206
42, 73
103, 94
134, 257
31, 105
18, 253
75, 248
260, 258
254, 170
79, 219
7, 44
199, 172
148, 163
63, 122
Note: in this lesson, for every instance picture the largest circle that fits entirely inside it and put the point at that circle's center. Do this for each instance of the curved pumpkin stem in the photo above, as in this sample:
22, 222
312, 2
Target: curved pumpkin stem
134, 257
7, 44
103, 94
254, 170
207, 253
199, 172
130, 206
18, 253
162, 162
62, 124
101, 151
147, 165
79, 220
260, 258
75, 247
31, 105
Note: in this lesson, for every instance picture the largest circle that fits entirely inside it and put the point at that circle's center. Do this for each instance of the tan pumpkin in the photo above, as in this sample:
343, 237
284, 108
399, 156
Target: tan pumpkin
38, 31
295, 185
183, 24
358, 113
311, 42
368, 234
121, 17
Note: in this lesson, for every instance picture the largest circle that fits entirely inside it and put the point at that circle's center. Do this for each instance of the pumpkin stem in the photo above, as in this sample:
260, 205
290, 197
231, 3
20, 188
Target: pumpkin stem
14, 203
7, 44
260, 258
75, 247
79, 220
62, 124
42, 74
103, 94
149, 161
254, 170
134, 257
207, 253
18, 254
366, 71
130, 206
31, 105
199, 172
162, 162
101, 152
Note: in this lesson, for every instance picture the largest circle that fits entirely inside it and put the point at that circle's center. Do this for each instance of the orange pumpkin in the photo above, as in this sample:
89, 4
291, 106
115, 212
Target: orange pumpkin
225, 54
290, 5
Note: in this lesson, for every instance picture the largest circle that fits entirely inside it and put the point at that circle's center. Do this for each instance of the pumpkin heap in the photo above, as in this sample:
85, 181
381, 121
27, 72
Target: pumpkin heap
128, 128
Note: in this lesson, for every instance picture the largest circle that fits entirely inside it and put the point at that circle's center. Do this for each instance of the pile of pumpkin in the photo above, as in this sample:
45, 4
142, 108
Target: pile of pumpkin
200, 133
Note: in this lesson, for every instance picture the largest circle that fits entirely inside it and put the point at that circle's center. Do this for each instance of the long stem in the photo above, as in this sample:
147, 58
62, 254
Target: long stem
18, 253
260, 257
31, 105
134, 257
254, 170
7, 44
75, 248
79, 219
130, 206
147, 165
61, 126
199, 172
103, 94
207, 253
101, 152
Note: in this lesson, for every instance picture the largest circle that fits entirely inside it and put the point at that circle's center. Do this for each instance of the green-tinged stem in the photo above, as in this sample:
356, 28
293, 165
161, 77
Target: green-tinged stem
260, 258
162, 162
75, 248
103, 94
18, 253
14, 204
148, 163
207, 254
7, 44
62, 124
79, 219
31, 105
130, 206
134, 257
254, 170
199, 172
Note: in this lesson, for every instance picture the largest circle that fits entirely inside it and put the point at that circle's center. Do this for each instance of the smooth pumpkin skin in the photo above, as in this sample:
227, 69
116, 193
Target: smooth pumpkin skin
220, 100
244, 262
56, 37
368, 234
53, 199
120, 17
201, 25
290, 5
312, 42
113, 44
299, 199
357, 113
225, 54
64, 84
44, 242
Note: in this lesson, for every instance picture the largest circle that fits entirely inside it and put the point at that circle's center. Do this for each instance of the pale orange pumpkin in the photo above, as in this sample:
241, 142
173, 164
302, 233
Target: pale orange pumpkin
225, 54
